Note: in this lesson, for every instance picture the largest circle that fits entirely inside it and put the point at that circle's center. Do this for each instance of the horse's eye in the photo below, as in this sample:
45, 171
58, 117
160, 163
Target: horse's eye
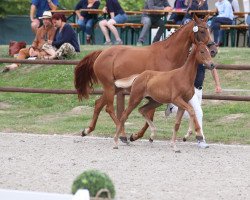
202, 32
202, 52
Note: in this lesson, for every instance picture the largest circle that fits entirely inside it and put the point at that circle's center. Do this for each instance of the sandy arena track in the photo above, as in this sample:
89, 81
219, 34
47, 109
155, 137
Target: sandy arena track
141, 171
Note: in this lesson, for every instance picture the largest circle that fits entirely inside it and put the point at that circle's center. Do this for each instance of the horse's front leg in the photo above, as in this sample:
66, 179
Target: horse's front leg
176, 128
99, 104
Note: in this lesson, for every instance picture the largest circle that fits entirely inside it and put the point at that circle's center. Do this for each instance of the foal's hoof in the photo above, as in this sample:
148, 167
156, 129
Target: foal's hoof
124, 139
184, 139
83, 133
115, 147
151, 140
131, 138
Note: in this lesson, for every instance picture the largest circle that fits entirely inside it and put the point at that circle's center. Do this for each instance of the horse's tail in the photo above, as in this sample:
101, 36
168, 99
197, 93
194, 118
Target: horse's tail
126, 82
85, 76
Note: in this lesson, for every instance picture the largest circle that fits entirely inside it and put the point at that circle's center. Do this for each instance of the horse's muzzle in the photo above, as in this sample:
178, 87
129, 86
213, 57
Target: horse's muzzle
211, 66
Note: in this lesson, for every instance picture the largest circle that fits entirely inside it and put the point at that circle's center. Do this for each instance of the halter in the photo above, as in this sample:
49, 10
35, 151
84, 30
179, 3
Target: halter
196, 32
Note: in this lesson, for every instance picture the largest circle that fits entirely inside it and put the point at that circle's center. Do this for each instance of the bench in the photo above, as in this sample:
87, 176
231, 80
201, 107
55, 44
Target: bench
134, 28
78, 30
234, 31
126, 28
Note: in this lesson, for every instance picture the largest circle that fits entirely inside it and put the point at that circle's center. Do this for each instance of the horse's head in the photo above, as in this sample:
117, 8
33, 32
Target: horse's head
201, 33
203, 55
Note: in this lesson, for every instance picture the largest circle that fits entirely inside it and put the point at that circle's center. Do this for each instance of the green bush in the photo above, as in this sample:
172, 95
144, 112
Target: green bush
94, 180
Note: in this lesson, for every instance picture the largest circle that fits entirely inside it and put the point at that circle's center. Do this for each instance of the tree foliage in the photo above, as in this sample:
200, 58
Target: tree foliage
22, 7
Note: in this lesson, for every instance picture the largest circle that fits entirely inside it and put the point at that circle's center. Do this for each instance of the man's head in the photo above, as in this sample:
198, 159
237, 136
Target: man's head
47, 16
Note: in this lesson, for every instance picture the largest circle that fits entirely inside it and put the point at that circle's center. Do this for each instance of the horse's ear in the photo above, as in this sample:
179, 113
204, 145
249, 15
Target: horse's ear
206, 18
196, 19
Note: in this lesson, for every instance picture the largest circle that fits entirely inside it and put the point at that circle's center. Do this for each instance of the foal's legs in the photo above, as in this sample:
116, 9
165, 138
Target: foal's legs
178, 118
140, 133
133, 102
144, 110
182, 104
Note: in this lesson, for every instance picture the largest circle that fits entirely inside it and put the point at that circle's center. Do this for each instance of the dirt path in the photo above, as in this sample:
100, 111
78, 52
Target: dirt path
140, 171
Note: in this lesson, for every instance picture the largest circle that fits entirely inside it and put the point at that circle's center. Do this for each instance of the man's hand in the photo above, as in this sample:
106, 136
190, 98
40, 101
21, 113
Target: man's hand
49, 42
168, 8
218, 89
32, 52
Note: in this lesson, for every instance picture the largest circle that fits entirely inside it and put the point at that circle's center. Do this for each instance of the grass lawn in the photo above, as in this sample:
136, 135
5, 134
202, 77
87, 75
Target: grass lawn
224, 121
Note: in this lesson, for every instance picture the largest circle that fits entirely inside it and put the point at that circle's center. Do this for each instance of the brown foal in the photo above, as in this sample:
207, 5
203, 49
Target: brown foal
176, 86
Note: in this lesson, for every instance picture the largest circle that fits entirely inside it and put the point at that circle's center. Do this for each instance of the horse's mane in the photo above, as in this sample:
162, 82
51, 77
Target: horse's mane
174, 33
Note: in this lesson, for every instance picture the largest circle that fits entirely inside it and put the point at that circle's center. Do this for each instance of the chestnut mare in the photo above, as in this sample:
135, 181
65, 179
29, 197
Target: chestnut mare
116, 62
176, 86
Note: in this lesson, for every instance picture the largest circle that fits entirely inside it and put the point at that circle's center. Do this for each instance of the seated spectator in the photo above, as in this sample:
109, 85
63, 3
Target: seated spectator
44, 33
236, 8
178, 4
36, 10
246, 5
156, 20
194, 5
65, 43
117, 16
85, 20
225, 16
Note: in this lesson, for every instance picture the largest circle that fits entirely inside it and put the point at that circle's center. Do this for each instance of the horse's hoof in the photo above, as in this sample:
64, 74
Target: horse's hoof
184, 139
202, 144
151, 140
115, 147
124, 139
83, 133
177, 151
131, 138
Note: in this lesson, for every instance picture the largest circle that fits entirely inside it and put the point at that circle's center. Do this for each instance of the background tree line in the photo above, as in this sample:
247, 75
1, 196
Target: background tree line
22, 7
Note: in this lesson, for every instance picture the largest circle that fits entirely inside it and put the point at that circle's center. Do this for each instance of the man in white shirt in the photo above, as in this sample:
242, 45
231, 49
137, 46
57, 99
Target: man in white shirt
225, 16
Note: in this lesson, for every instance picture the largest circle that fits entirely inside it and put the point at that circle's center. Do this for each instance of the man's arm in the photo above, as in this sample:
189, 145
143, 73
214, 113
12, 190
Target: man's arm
216, 80
52, 5
32, 12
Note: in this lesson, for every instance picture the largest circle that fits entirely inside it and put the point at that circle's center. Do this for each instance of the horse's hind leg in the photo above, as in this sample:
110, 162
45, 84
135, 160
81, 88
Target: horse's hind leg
147, 111
140, 133
99, 104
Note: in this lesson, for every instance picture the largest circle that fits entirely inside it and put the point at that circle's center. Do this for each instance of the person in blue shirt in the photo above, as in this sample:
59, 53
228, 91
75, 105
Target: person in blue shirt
65, 43
85, 20
116, 16
36, 10
225, 16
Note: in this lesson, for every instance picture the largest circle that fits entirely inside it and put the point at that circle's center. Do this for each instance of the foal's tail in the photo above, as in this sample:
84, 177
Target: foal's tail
126, 82
85, 76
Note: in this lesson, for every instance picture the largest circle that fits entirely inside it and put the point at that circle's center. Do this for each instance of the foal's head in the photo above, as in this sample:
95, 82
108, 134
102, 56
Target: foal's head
203, 56
202, 34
